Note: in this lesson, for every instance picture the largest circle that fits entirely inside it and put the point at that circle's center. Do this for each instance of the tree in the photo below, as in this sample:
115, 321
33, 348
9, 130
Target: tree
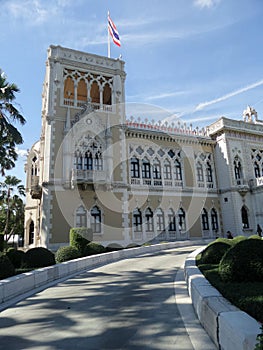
10, 137
11, 207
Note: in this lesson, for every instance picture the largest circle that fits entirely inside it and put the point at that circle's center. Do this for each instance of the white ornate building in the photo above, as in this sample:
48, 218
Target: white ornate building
131, 181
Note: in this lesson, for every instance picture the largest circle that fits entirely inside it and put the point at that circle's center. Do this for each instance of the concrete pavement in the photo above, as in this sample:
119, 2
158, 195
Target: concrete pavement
135, 303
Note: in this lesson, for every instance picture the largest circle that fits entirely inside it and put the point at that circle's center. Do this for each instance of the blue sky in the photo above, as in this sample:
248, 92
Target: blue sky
196, 59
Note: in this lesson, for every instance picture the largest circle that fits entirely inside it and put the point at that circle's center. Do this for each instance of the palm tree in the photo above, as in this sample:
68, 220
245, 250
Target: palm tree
12, 206
9, 135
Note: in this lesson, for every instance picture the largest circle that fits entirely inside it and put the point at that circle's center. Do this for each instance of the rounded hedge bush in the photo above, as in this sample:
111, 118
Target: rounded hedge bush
67, 253
255, 237
214, 252
243, 262
94, 248
7, 269
38, 257
16, 257
238, 239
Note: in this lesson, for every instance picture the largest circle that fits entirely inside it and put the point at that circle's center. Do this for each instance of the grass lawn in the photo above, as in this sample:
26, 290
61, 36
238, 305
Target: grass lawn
247, 296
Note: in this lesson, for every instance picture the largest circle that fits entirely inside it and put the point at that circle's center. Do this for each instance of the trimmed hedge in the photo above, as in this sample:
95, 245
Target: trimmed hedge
7, 269
77, 240
94, 248
67, 253
16, 257
243, 262
214, 252
38, 257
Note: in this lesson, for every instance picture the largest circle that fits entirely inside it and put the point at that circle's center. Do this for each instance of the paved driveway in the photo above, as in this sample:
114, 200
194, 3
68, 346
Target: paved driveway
137, 303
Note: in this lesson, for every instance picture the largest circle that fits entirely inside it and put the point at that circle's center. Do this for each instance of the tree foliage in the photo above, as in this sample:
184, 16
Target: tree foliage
10, 137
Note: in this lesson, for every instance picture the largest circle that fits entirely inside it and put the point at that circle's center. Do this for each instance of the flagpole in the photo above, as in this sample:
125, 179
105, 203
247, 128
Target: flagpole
108, 35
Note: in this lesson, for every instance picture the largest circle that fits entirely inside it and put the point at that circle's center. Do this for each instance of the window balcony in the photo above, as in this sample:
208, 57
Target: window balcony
81, 176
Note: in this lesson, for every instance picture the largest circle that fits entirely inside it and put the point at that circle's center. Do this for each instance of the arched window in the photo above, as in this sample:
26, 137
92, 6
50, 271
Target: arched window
98, 163
78, 161
199, 172
95, 220
137, 220
160, 220
237, 169
88, 161
34, 169
156, 169
244, 215
146, 169
81, 217
214, 220
69, 89
178, 170
31, 232
167, 170
95, 92
256, 169
82, 92
205, 223
171, 221
181, 219
149, 220
209, 176
135, 168
107, 95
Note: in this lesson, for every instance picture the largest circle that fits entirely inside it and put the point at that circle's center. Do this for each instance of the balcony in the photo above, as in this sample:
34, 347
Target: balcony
80, 176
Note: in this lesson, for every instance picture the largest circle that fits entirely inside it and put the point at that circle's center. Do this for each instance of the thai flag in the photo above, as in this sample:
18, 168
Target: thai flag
113, 32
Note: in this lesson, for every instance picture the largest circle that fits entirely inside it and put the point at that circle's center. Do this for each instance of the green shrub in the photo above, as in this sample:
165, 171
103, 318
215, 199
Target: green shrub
254, 237
7, 269
67, 253
16, 257
214, 252
38, 257
228, 241
77, 240
243, 262
94, 248
238, 239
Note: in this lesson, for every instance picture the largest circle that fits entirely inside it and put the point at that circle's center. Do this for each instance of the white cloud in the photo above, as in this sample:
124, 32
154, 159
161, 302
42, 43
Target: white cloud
206, 3
202, 105
22, 152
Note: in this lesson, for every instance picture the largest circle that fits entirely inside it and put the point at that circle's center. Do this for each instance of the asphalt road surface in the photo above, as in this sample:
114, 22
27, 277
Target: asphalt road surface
137, 303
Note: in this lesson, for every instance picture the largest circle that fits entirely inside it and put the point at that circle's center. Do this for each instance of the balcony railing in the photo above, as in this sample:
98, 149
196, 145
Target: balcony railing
79, 104
88, 176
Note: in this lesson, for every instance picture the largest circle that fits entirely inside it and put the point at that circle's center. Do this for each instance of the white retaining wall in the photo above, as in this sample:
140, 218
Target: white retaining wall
228, 327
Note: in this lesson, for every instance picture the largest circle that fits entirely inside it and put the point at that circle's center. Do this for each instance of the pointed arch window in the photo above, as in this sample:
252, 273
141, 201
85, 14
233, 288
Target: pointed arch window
34, 169
167, 170
78, 161
209, 175
205, 223
181, 219
31, 232
256, 170
107, 94
160, 220
171, 221
199, 171
146, 169
81, 217
82, 91
88, 161
214, 219
137, 220
178, 170
95, 92
95, 220
157, 169
69, 89
135, 168
237, 169
244, 216
149, 220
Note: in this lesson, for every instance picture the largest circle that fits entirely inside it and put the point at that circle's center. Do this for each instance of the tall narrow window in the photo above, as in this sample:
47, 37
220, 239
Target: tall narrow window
82, 92
31, 232
146, 169
98, 165
237, 169
107, 94
199, 171
137, 220
149, 220
95, 219
256, 169
178, 170
171, 221
81, 217
78, 161
160, 220
181, 219
167, 170
209, 176
244, 215
88, 161
214, 220
156, 169
95, 92
205, 224
135, 168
